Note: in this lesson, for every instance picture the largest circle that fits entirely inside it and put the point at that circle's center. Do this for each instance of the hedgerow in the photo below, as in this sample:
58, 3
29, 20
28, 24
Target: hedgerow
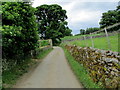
19, 30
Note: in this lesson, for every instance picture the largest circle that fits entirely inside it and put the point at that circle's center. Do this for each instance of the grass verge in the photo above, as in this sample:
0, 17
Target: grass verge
80, 71
10, 77
44, 53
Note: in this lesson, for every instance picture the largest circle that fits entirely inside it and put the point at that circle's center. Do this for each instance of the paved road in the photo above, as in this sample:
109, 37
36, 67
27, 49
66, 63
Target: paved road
53, 72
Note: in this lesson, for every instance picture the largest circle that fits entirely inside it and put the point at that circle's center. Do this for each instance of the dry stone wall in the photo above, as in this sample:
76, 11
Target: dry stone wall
103, 66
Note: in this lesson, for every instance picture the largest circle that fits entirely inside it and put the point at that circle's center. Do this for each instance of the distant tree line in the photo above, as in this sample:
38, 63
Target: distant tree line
88, 30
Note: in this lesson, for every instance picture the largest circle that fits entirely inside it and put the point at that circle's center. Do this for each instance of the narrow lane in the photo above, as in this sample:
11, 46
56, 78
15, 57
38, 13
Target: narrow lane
52, 72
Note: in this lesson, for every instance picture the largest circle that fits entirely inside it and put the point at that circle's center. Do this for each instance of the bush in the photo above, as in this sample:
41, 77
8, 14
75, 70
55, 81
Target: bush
19, 31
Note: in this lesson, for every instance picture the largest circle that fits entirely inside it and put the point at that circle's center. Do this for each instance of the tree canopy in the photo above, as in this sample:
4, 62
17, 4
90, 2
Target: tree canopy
19, 29
110, 17
52, 24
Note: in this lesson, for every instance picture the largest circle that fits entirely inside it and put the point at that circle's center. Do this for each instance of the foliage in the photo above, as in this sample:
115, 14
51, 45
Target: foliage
88, 30
52, 24
10, 37
91, 30
82, 31
110, 18
10, 77
118, 10
19, 31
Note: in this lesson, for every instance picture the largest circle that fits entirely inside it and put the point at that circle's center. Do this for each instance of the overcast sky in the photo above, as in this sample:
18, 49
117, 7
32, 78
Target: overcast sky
82, 14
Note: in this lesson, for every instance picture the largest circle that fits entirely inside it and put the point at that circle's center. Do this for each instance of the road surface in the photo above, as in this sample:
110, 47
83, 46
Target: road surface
53, 72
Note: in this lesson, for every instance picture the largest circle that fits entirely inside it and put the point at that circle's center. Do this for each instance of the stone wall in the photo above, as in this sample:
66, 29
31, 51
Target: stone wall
103, 66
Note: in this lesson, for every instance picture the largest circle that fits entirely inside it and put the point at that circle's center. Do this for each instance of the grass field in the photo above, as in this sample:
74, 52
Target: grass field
100, 43
79, 36
71, 37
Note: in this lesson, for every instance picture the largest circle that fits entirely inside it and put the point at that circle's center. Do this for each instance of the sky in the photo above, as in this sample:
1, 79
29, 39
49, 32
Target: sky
82, 14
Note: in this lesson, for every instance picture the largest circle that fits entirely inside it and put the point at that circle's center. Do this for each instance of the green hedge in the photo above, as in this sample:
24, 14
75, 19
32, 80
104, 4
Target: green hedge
19, 31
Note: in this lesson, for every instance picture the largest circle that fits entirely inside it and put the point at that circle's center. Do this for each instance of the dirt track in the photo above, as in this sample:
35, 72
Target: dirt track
52, 72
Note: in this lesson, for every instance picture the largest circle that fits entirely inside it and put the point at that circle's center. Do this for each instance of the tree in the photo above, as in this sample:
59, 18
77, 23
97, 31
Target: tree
118, 15
91, 30
82, 31
88, 30
52, 24
67, 32
110, 18
19, 31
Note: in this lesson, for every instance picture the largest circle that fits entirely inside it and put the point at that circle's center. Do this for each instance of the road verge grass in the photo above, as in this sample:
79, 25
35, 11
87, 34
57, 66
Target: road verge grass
80, 71
44, 53
10, 77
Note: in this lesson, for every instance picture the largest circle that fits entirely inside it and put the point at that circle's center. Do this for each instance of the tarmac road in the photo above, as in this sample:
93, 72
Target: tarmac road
53, 72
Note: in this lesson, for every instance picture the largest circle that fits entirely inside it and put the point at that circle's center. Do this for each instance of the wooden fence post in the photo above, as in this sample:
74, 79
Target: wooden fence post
92, 40
85, 41
108, 40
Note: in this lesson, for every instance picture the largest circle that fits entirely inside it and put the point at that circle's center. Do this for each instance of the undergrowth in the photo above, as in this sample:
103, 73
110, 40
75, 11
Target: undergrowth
10, 77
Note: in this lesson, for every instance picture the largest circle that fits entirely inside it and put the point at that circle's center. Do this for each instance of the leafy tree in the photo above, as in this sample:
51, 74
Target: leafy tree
19, 31
67, 32
118, 15
52, 24
110, 18
82, 31
88, 30
91, 30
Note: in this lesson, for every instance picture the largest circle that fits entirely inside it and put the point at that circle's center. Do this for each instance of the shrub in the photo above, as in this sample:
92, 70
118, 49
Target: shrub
19, 31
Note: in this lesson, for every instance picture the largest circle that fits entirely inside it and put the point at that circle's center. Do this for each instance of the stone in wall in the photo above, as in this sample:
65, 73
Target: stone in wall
103, 66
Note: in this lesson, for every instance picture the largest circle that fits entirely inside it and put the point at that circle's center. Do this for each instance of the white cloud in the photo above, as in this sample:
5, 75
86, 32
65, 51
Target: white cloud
40, 2
77, 16
84, 15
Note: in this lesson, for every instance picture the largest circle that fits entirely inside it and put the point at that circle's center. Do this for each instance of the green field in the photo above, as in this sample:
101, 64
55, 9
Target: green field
79, 36
100, 43
70, 37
